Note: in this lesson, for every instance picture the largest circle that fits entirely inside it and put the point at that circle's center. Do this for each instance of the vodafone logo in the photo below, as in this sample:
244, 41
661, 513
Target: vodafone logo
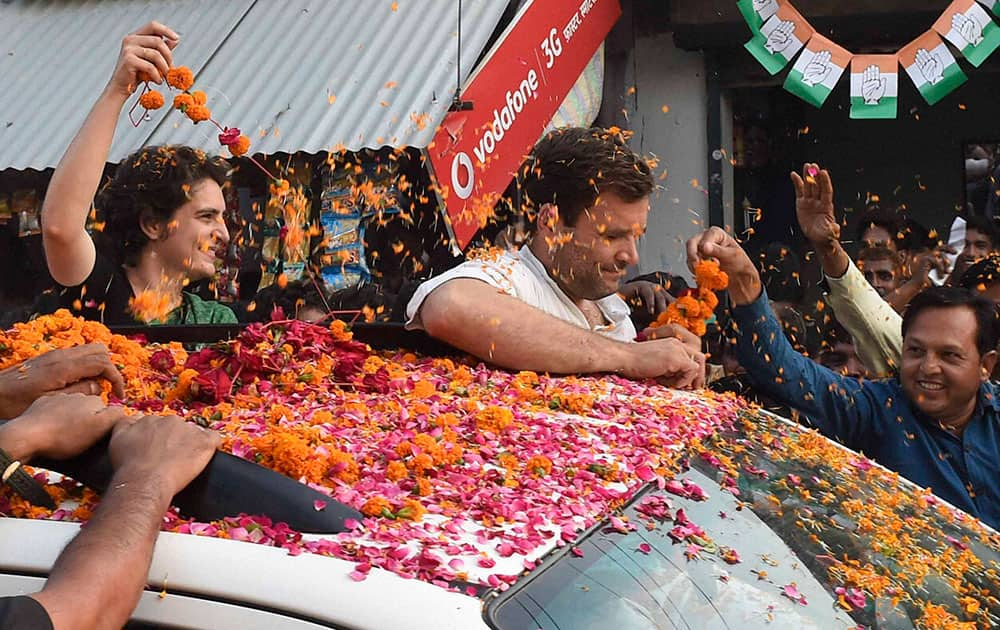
504, 118
462, 162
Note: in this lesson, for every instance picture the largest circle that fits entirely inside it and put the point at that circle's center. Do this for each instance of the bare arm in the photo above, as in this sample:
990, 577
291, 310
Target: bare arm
477, 318
69, 250
100, 576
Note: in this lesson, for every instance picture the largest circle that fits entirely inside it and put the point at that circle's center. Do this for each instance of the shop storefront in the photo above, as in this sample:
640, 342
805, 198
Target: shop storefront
328, 109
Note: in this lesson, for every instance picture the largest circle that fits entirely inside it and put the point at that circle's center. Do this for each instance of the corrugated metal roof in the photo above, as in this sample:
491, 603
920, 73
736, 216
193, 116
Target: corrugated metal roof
295, 75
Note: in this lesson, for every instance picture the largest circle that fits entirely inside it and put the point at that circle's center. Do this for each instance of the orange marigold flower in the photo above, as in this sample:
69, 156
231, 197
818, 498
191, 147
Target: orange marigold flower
708, 275
461, 377
494, 419
423, 389
343, 467
412, 510
198, 113
199, 97
688, 306
708, 297
424, 487
396, 470
240, 147
508, 461
183, 100
180, 78
279, 187
151, 100
183, 386
292, 455
421, 463
539, 465
697, 326
377, 506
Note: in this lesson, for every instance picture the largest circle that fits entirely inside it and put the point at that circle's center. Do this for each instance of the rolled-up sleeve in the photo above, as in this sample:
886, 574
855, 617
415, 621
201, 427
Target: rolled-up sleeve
876, 328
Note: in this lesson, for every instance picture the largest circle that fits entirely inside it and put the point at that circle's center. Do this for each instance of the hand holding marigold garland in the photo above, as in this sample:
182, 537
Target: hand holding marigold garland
691, 311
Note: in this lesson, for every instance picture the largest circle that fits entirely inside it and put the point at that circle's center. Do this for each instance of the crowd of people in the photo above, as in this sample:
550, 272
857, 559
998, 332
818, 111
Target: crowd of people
895, 359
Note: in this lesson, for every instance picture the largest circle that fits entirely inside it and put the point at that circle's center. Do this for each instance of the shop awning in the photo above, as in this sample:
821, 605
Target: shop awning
295, 75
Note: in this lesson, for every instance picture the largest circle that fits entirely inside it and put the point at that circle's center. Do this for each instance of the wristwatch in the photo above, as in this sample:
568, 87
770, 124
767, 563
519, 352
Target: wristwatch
13, 474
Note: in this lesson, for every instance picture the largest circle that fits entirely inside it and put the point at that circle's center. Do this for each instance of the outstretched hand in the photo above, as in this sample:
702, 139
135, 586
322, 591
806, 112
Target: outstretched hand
814, 205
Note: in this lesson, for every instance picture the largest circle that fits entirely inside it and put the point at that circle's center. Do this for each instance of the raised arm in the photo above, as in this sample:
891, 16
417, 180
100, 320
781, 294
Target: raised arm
874, 324
99, 577
477, 318
836, 405
69, 250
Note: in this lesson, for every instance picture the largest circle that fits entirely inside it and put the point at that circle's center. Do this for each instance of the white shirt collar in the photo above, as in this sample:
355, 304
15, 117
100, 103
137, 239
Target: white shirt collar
613, 307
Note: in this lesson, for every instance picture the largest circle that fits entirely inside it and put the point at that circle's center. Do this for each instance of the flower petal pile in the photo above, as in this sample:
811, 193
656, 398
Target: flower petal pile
464, 473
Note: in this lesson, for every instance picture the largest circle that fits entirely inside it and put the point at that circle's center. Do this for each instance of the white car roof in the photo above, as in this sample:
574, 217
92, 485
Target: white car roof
307, 586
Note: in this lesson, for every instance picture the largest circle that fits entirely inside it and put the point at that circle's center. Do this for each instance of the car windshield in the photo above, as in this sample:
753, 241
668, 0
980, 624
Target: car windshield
770, 524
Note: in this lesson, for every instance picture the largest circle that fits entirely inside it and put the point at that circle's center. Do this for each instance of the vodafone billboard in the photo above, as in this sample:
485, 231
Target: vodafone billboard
514, 94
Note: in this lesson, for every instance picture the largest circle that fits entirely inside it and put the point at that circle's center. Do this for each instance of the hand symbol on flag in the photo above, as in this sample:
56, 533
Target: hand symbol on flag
872, 85
968, 27
760, 5
779, 38
929, 65
818, 68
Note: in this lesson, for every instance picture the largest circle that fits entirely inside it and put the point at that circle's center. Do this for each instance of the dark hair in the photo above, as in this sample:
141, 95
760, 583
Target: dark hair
781, 273
886, 219
984, 273
295, 296
793, 325
571, 166
988, 329
834, 333
364, 296
878, 253
153, 181
984, 225
916, 237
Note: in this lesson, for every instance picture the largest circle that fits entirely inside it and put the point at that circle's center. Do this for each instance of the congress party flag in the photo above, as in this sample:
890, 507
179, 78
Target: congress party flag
756, 12
932, 67
817, 70
874, 86
992, 5
971, 29
780, 38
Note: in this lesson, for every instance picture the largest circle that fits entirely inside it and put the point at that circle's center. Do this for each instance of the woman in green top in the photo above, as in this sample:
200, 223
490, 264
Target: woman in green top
163, 212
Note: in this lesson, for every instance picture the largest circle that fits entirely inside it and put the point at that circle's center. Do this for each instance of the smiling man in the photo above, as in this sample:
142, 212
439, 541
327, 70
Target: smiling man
937, 423
553, 306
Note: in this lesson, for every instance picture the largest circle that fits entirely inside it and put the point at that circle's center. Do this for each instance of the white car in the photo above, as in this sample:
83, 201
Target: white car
759, 523
797, 514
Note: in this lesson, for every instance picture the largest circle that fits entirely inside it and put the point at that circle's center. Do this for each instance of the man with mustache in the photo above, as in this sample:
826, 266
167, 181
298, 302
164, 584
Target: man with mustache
937, 423
553, 306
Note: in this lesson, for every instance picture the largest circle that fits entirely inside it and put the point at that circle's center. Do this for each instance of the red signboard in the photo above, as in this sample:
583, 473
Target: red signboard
514, 94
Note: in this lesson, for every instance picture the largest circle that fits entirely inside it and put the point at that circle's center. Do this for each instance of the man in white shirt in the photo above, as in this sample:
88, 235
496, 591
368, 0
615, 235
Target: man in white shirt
553, 306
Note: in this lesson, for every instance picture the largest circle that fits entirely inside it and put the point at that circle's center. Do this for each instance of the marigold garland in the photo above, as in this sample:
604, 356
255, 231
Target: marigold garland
194, 105
691, 310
